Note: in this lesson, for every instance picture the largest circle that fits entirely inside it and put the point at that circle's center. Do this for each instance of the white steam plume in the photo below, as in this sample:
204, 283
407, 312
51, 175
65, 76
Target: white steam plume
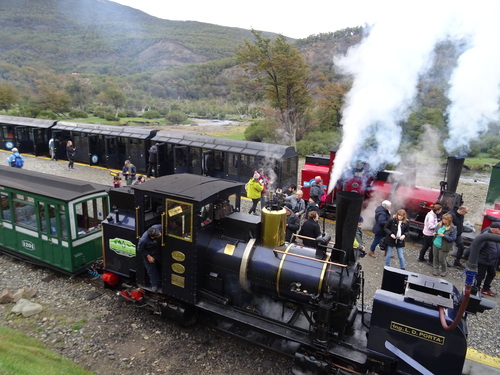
386, 67
475, 83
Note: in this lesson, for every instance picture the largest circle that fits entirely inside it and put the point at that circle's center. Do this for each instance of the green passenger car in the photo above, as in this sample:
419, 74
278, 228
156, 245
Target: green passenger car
51, 221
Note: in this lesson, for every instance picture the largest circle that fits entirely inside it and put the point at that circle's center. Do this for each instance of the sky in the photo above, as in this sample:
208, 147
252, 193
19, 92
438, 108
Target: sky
292, 18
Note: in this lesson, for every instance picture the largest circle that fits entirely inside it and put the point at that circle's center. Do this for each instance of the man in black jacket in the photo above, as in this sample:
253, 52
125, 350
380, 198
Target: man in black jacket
458, 221
488, 258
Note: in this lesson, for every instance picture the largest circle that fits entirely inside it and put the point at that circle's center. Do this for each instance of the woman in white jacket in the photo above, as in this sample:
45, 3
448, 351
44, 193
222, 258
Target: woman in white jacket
430, 223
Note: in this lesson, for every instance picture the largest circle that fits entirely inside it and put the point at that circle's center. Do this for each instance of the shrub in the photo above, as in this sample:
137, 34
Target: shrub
47, 114
111, 117
176, 117
260, 131
495, 152
318, 143
151, 114
77, 113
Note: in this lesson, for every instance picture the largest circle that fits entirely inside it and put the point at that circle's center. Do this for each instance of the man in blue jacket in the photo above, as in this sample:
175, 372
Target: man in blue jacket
382, 215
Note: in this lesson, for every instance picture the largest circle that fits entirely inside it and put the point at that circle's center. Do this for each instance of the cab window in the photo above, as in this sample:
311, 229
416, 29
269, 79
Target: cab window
179, 219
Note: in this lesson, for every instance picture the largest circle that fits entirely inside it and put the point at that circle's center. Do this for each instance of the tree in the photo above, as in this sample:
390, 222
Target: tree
284, 76
80, 90
330, 105
53, 99
114, 97
8, 96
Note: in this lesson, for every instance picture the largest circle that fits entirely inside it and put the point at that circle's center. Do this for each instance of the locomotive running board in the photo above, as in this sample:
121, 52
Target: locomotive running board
273, 335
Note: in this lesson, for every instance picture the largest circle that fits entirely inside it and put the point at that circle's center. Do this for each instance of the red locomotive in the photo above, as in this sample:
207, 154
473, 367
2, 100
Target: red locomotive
397, 187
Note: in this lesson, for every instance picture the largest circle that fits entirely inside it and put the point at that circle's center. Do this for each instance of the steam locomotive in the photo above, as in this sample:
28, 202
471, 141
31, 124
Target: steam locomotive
397, 187
304, 302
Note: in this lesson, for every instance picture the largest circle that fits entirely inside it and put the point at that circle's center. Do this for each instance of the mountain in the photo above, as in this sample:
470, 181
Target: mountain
103, 37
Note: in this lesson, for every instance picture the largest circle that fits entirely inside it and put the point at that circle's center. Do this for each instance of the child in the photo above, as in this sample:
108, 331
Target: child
445, 235
117, 182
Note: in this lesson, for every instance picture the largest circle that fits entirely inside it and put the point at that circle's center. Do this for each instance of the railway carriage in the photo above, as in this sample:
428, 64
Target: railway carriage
109, 146
29, 135
104, 145
50, 220
228, 159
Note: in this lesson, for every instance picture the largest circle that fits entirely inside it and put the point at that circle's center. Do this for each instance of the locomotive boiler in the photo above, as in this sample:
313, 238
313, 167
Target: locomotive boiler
234, 271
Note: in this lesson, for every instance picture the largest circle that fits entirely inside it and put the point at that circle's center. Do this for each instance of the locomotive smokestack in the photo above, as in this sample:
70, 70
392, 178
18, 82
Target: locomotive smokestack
349, 205
454, 171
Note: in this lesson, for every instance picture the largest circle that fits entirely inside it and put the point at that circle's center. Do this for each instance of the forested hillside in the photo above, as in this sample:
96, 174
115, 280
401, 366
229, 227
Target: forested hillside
103, 37
97, 58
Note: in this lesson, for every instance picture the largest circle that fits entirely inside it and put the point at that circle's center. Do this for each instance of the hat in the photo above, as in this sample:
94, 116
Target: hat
495, 224
256, 176
288, 206
317, 179
153, 232
14, 150
360, 220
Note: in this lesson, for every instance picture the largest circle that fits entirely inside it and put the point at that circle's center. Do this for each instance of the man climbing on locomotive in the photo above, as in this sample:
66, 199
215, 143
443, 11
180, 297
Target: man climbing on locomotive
149, 249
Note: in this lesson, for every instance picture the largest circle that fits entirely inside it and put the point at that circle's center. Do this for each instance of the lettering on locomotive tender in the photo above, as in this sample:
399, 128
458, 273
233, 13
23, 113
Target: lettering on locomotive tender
407, 330
28, 245
122, 247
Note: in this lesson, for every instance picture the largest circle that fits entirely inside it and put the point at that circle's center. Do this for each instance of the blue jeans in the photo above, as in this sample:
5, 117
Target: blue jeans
400, 256
154, 275
378, 237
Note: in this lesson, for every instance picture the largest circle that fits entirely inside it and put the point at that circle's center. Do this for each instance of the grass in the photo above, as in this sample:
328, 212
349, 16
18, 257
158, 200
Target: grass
22, 355
479, 162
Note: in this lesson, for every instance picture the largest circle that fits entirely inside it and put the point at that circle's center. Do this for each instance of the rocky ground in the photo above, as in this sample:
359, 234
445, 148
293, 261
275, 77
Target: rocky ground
96, 329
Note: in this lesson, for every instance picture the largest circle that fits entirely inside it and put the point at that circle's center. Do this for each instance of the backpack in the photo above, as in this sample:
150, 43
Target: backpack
18, 162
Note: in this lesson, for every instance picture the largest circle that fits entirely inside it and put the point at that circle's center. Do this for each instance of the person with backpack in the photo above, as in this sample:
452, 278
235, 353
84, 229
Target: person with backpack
15, 159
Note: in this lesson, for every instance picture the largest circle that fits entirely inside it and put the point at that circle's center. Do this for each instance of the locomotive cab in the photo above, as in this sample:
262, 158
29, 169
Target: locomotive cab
186, 206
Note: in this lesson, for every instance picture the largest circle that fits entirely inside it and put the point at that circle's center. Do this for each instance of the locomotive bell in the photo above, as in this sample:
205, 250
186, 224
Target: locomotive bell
273, 227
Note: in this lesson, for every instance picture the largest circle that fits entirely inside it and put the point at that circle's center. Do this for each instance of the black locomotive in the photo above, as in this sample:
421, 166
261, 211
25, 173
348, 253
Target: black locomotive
304, 302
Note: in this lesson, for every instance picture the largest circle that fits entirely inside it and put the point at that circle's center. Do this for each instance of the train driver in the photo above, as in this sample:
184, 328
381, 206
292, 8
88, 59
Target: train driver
149, 249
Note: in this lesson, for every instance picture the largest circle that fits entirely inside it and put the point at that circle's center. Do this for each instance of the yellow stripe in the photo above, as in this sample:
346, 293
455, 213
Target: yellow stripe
474, 355
322, 276
278, 274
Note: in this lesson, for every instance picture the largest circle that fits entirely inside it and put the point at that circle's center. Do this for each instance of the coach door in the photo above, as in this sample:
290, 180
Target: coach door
136, 149
50, 230
81, 144
111, 151
195, 160
208, 163
23, 139
41, 142
233, 167
181, 159
165, 162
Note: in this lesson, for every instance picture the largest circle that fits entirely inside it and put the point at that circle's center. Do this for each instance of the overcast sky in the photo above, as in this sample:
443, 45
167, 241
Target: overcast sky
292, 18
